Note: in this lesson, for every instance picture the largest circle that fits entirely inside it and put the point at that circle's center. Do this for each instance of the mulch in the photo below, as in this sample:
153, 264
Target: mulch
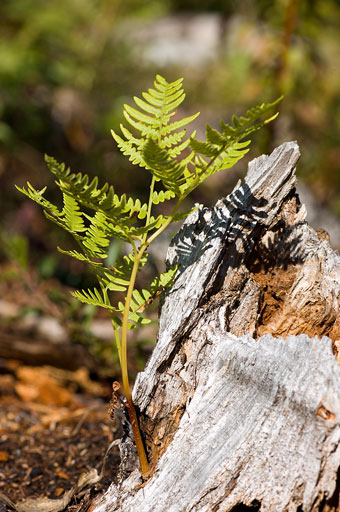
54, 426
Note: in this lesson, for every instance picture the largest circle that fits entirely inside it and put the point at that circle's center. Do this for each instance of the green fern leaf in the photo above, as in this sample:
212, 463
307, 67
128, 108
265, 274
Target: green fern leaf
139, 116
73, 216
214, 137
162, 195
93, 297
242, 126
79, 256
205, 148
157, 141
176, 125
162, 166
153, 122
96, 238
146, 107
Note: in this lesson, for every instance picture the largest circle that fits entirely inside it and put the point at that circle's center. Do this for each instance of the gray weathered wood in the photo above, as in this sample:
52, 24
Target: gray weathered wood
239, 405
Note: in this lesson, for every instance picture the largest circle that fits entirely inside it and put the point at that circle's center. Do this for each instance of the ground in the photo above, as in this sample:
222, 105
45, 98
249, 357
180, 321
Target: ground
54, 422
46, 442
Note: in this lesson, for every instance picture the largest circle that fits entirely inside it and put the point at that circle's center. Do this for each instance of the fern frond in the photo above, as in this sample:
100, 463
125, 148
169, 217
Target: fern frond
96, 239
72, 214
152, 121
224, 149
38, 197
157, 141
80, 257
93, 297
91, 196
162, 195
242, 126
166, 169
176, 125
117, 277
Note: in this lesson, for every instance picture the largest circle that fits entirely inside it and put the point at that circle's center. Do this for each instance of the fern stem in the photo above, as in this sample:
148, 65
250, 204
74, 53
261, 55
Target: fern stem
125, 378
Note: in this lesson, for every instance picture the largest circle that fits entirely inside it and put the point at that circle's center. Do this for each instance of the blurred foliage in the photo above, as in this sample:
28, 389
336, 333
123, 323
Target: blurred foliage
67, 68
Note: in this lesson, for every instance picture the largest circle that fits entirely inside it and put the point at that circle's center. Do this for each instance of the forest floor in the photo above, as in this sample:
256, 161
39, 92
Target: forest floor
54, 416
53, 429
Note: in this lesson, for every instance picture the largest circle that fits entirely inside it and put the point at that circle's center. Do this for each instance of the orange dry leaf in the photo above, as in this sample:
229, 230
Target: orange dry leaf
63, 475
36, 385
4, 456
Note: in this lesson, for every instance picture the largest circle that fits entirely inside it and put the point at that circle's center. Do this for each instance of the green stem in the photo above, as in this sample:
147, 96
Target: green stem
124, 366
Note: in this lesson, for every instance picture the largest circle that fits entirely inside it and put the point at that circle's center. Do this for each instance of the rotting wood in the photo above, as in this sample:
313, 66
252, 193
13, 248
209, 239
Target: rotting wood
238, 404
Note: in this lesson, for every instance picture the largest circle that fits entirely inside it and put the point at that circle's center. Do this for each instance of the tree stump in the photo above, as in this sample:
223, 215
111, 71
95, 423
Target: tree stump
239, 403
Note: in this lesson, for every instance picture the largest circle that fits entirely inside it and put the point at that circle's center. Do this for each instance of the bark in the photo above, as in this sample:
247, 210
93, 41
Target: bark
239, 403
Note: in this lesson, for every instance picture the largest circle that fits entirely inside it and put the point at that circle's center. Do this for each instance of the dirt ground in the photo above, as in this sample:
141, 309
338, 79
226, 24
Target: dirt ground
53, 428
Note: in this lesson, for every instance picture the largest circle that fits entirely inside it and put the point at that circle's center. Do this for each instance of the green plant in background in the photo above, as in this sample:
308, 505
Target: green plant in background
176, 165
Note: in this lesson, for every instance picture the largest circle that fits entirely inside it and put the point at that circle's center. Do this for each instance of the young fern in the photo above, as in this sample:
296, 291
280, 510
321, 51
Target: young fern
178, 163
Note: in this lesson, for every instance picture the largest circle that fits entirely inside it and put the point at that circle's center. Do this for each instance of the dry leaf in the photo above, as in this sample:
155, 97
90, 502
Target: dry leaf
4, 456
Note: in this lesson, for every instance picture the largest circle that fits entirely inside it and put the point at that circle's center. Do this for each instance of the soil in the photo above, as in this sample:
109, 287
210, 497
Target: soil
47, 440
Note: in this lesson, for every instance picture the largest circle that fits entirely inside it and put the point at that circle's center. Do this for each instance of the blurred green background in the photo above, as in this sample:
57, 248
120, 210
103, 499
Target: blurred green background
67, 68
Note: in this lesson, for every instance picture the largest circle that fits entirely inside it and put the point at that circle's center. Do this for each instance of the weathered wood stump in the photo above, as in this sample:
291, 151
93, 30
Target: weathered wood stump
240, 402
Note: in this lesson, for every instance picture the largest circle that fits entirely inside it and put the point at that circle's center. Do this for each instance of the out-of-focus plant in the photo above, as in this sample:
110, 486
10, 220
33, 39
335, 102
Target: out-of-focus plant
61, 70
285, 47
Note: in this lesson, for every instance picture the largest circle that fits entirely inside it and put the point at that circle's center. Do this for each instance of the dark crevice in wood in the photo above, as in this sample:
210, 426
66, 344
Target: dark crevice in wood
332, 504
241, 507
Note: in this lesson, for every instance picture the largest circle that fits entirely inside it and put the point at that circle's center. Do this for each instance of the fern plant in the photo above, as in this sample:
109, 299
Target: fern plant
177, 163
